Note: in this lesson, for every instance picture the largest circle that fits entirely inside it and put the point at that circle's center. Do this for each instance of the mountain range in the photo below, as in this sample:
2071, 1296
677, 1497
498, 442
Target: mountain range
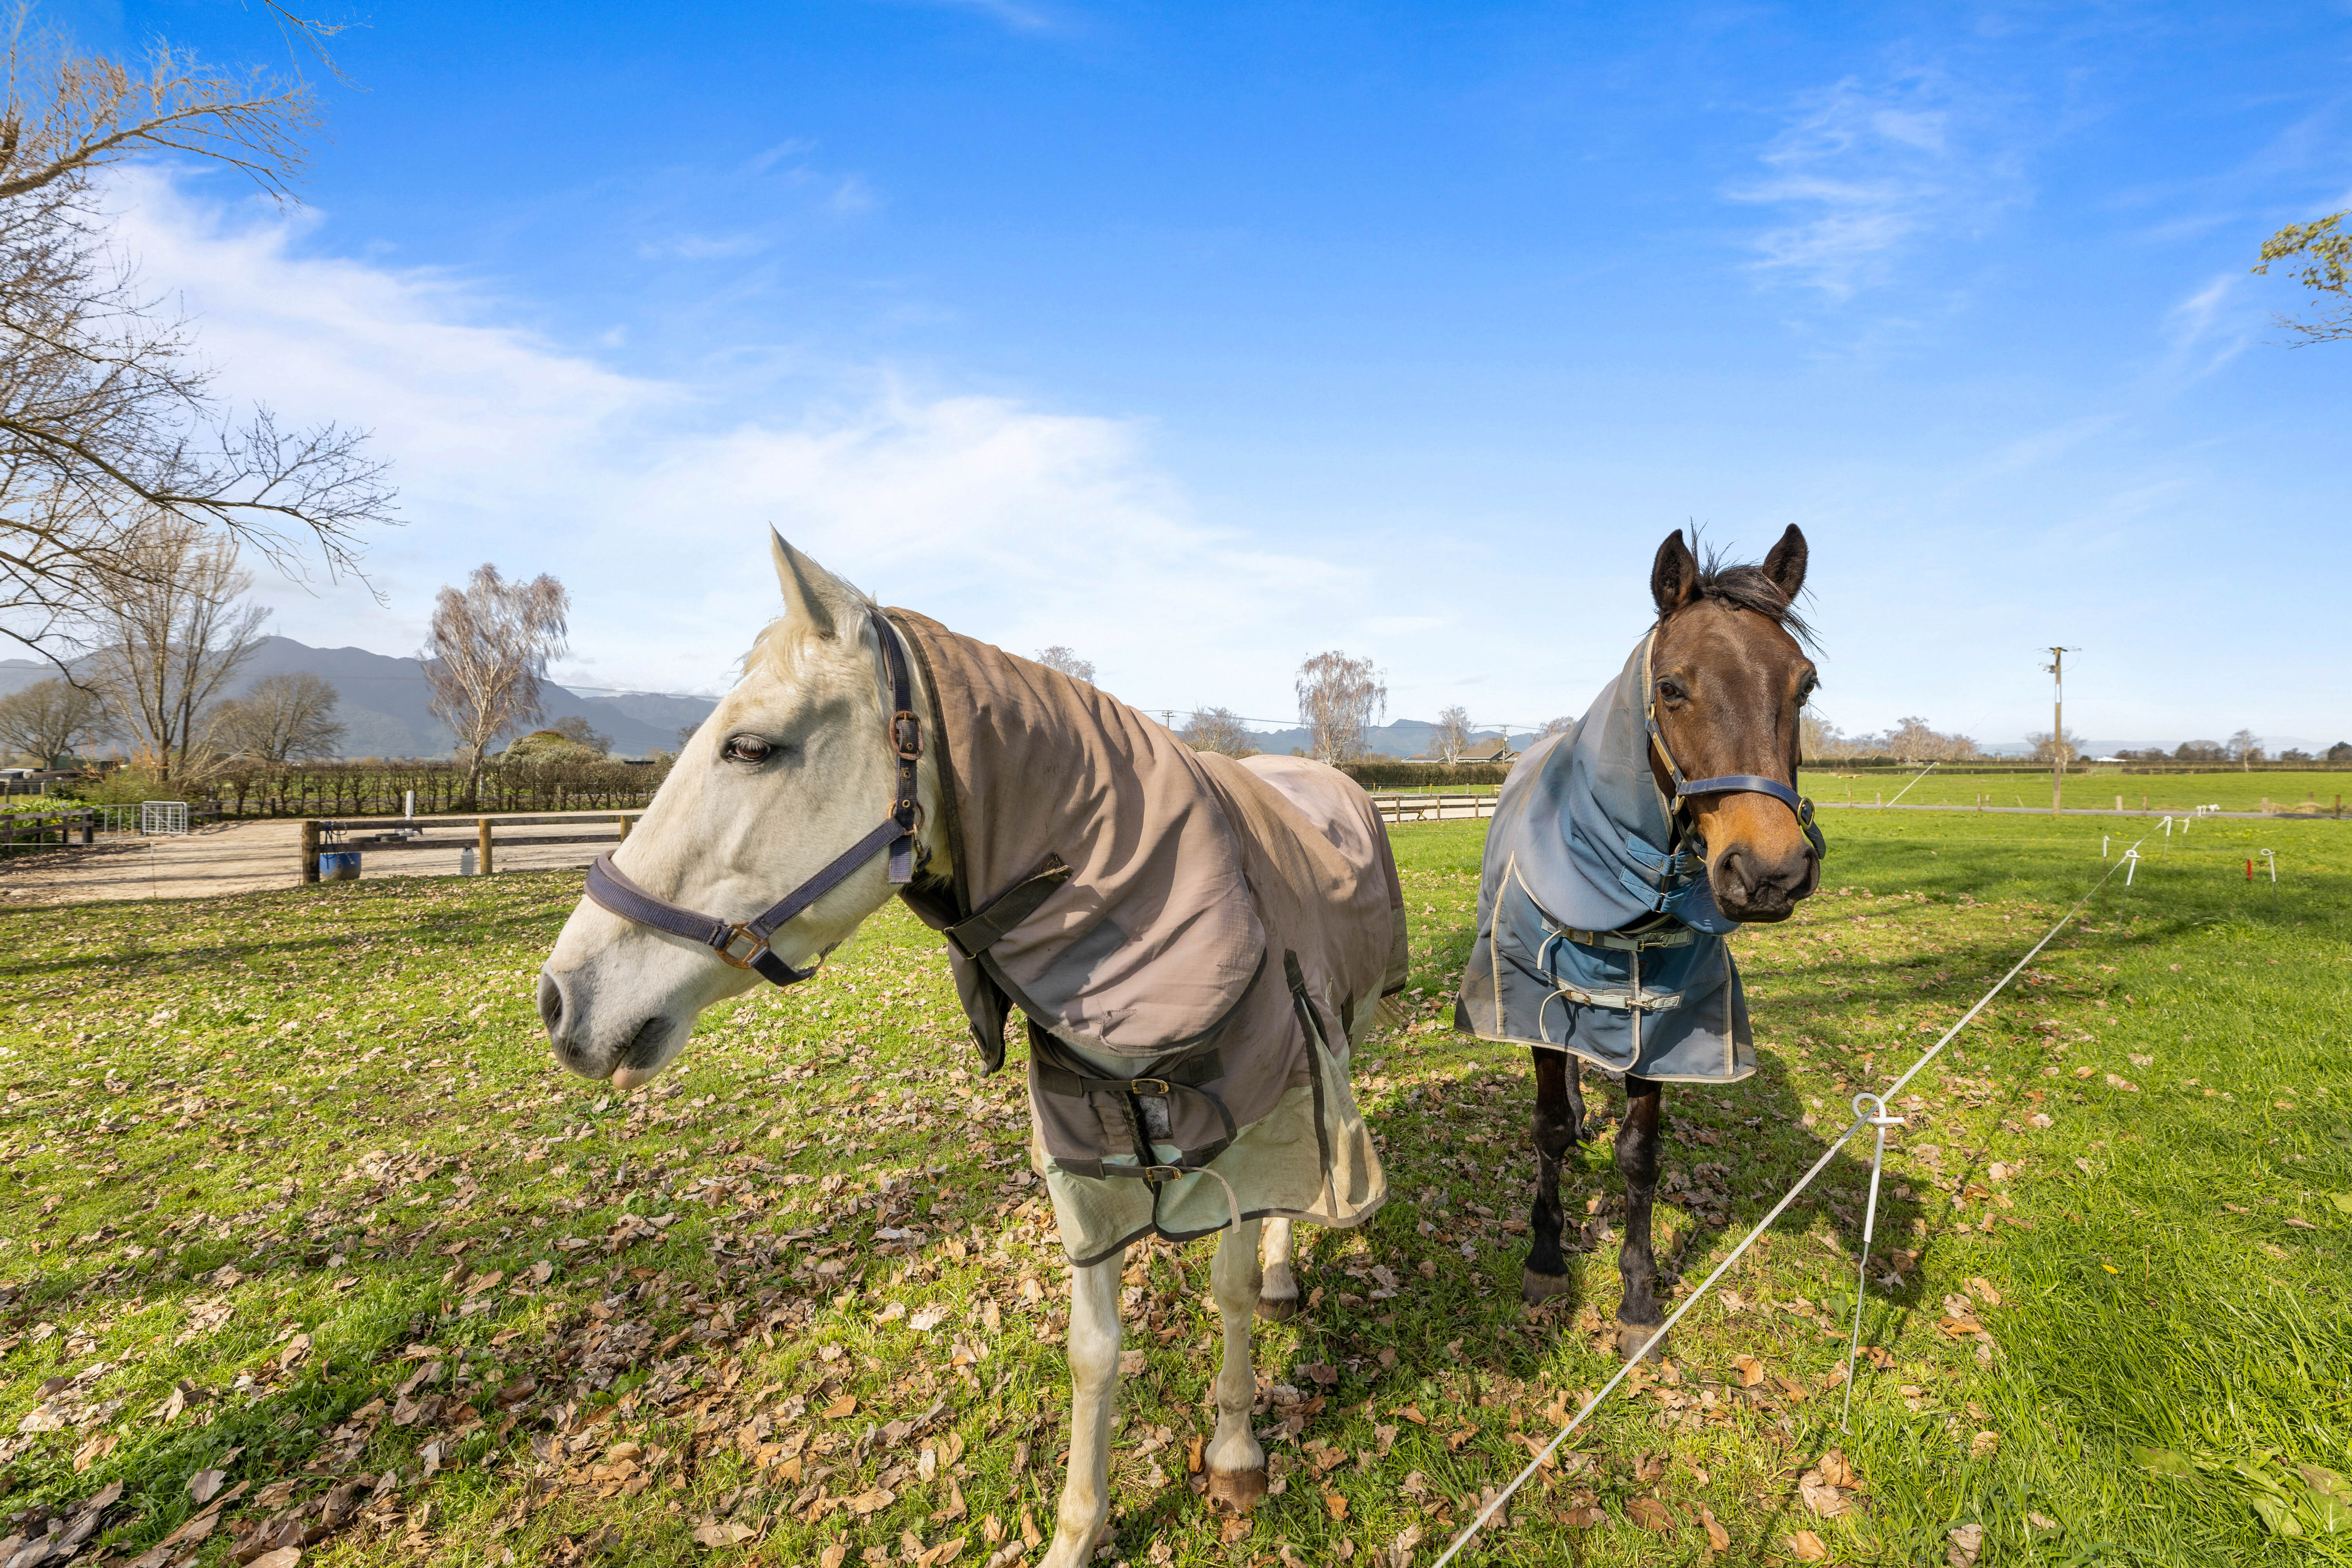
383, 703
386, 704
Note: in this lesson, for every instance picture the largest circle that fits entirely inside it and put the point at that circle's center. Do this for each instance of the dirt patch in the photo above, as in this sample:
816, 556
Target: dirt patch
237, 858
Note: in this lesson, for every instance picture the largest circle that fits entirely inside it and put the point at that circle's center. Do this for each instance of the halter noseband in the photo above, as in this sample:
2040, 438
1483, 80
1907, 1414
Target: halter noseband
1800, 806
744, 943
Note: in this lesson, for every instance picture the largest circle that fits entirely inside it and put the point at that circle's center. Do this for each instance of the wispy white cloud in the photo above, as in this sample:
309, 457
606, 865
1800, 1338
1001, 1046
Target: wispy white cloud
1865, 170
1019, 18
650, 498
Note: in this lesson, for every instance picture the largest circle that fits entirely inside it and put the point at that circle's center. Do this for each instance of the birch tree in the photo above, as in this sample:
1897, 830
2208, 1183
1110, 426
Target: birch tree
485, 656
1338, 698
1452, 735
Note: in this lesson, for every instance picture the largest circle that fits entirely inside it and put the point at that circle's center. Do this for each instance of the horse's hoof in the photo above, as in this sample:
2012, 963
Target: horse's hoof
1277, 1309
1238, 1490
1641, 1341
1534, 1289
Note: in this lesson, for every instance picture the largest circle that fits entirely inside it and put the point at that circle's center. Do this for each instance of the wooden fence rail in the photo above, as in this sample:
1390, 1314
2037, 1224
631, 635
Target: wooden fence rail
1434, 808
382, 834
41, 830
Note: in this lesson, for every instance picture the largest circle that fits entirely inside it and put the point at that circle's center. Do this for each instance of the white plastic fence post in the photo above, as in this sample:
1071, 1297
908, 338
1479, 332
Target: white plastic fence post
1876, 1117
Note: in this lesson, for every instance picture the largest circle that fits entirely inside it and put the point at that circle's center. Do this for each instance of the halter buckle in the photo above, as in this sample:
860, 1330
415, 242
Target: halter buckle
1156, 1175
754, 946
1149, 1086
907, 735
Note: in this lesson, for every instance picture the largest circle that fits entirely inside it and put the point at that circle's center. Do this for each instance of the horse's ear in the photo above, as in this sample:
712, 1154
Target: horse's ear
1674, 576
808, 587
1786, 563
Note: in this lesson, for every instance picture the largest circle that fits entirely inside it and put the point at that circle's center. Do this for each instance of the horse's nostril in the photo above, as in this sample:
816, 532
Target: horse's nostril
550, 1002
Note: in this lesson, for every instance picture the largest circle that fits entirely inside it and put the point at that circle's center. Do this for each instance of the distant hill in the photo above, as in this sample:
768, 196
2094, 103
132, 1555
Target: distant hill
384, 701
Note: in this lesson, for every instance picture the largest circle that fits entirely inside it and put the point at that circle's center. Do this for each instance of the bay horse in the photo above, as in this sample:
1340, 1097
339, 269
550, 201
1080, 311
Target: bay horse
1191, 939
1620, 854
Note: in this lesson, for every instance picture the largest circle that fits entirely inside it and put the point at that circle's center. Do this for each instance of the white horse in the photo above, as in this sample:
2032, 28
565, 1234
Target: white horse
779, 790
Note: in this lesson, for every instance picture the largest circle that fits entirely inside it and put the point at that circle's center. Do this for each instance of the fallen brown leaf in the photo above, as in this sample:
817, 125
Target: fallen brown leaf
1750, 1369
1964, 1541
1821, 1497
845, 1405
1806, 1547
1649, 1514
1337, 1504
1717, 1538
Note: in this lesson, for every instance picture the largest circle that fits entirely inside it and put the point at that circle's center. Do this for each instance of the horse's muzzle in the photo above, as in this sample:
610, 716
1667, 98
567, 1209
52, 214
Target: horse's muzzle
1754, 885
628, 1055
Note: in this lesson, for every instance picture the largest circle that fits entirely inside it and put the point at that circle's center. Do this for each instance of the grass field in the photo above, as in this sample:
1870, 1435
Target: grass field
2229, 789
301, 1220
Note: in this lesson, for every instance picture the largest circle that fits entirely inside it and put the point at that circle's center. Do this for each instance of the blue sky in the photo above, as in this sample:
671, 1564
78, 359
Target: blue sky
1203, 338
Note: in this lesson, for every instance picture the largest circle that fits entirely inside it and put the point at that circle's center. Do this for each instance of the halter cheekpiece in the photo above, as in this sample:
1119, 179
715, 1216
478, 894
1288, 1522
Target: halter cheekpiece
744, 943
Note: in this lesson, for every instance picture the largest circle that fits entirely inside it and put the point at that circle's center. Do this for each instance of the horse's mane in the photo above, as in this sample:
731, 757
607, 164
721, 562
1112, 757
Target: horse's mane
1744, 586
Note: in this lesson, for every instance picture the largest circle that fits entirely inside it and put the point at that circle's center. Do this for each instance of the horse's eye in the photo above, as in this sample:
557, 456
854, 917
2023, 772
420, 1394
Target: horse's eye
748, 749
1672, 691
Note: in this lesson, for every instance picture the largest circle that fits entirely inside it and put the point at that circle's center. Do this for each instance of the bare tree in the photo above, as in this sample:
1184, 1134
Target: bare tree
2066, 749
1913, 740
1068, 662
1338, 697
106, 418
485, 655
1559, 726
1452, 736
49, 719
1217, 730
283, 718
2330, 250
584, 735
2245, 750
167, 637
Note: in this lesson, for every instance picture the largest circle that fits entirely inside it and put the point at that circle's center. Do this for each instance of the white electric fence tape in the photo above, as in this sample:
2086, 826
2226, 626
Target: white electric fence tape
1875, 1117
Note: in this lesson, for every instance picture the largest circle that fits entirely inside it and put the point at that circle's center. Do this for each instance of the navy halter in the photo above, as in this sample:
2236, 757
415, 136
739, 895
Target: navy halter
744, 943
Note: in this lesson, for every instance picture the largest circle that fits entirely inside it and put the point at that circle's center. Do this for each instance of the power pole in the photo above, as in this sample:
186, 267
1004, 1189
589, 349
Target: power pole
2057, 668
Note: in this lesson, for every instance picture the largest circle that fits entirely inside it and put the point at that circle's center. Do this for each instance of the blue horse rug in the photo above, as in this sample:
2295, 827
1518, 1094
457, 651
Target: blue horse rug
1598, 935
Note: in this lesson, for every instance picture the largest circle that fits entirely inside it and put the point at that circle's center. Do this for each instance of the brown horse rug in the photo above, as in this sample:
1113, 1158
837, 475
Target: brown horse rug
1192, 940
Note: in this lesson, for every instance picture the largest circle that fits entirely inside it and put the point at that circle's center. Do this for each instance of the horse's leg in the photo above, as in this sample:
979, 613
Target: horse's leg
1277, 1291
1637, 1161
1094, 1391
1237, 1465
1560, 1123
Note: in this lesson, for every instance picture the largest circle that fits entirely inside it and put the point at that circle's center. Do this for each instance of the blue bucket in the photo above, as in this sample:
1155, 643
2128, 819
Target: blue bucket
340, 866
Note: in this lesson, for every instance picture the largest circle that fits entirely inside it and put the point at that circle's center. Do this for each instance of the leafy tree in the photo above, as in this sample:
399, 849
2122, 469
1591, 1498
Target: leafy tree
2340, 753
2328, 251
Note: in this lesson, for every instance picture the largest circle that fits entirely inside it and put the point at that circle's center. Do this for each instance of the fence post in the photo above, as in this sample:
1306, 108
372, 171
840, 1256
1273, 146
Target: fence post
626, 822
482, 834
310, 850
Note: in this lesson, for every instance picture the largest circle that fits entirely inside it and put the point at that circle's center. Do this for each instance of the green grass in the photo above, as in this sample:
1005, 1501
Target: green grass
339, 1095
2228, 788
